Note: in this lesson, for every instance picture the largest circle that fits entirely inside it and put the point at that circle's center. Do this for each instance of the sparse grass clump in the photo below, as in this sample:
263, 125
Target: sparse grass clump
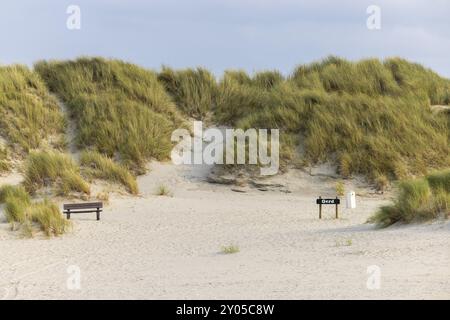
230, 249
21, 211
28, 114
120, 109
417, 200
45, 169
163, 190
340, 188
194, 90
102, 167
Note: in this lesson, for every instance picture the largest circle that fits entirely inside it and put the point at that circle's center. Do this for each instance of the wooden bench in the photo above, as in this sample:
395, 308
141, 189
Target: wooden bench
86, 207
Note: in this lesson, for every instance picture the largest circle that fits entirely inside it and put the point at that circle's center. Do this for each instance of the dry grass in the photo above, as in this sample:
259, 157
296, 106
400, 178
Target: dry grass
163, 190
28, 114
53, 169
418, 200
22, 213
230, 249
194, 91
119, 108
369, 117
99, 166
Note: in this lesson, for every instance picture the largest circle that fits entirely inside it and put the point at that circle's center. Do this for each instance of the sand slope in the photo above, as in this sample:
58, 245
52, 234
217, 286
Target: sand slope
152, 247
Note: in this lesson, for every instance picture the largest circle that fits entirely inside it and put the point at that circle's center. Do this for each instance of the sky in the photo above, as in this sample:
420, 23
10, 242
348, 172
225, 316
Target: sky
252, 35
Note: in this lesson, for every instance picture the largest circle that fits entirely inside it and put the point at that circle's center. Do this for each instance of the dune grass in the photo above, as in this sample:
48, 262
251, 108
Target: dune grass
418, 200
193, 90
53, 169
119, 109
369, 117
230, 249
99, 166
28, 114
163, 190
22, 212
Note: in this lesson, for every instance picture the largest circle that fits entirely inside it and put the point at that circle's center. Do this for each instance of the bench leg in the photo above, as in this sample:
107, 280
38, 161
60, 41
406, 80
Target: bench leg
68, 215
98, 215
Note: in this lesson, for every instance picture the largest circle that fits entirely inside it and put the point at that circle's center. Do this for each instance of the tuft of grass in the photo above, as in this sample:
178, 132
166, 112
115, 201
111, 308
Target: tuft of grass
103, 196
119, 108
381, 183
53, 169
230, 249
344, 243
49, 218
102, 167
417, 200
163, 190
28, 114
340, 188
21, 211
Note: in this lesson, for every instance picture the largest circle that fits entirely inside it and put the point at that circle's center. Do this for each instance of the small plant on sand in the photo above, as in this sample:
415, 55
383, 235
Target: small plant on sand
53, 169
99, 166
381, 183
344, 243
340, 188
230, 249
21, 212
163, 190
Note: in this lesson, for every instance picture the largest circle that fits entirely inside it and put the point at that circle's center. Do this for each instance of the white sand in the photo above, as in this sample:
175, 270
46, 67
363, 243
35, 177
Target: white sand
154, 247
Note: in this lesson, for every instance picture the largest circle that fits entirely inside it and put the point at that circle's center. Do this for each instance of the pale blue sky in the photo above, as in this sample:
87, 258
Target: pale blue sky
222, 34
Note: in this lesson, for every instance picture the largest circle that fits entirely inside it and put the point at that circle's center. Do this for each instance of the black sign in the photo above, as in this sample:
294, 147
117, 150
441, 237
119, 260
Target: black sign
328, 201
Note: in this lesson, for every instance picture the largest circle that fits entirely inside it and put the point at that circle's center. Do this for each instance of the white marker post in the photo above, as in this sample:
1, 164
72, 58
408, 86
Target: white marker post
351, 200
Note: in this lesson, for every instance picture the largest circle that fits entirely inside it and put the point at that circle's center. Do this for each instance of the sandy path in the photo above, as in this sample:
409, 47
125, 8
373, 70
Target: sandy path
153, 247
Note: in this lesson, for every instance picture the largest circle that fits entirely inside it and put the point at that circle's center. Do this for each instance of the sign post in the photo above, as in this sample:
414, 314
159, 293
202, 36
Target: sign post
320, 201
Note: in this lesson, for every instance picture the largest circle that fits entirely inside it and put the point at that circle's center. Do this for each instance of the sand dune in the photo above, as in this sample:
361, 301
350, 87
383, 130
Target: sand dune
156, 247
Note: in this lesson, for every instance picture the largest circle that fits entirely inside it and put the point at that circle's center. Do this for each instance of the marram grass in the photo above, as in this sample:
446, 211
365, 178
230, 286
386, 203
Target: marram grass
417, 200
22, 213
99, 166
56, 170
370, 117
119, 108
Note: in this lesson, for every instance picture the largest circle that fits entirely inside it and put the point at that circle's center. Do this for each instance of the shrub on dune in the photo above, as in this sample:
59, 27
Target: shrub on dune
99, 166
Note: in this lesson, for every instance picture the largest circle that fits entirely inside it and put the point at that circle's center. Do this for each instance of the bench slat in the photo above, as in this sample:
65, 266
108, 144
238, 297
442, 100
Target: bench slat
81, 211
87, 205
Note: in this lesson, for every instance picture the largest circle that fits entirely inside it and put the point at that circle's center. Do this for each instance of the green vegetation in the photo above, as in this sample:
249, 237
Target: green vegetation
340, 188
54, 169
119, 109
99, 166
344, 243
418, 200
5, 164
163, 191
20, 210
194, 91
28, 114
230, 249
370, 117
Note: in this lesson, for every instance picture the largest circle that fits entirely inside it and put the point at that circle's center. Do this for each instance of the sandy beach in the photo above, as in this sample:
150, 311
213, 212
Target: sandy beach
169, 247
